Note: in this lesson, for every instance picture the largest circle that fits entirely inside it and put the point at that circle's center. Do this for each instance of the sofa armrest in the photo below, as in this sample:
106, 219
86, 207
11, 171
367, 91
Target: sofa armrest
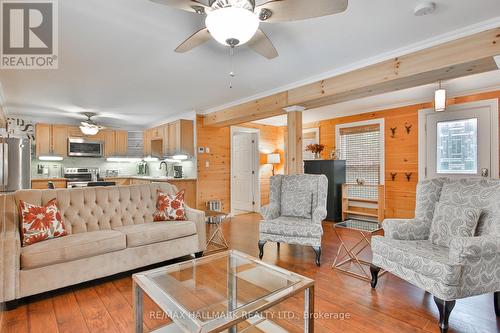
270, 212
319, 214
406, 229
474, 250
198, 217
10, 252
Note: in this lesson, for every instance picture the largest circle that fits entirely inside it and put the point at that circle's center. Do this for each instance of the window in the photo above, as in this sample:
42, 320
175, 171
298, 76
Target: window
361, 147
457, 147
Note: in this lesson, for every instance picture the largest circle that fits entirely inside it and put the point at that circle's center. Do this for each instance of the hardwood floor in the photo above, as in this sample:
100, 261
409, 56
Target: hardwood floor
395, 306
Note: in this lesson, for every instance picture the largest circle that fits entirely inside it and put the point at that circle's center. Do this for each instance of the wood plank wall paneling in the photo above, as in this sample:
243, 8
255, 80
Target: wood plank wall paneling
214, 181
401, 152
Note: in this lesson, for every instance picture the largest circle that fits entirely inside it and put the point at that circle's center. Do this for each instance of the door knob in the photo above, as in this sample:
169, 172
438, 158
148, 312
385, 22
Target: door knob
484, 172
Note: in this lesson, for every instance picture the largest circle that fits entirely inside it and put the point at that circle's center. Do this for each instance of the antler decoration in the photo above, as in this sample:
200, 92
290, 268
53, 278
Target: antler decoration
408, 175
408, 128
393, 130
393, 175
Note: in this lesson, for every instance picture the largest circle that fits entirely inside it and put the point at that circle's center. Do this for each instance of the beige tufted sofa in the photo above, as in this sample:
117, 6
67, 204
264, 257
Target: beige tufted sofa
110, 229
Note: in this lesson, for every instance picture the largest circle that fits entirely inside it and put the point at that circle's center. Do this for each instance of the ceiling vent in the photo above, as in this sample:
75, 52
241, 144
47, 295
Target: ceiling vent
425, 8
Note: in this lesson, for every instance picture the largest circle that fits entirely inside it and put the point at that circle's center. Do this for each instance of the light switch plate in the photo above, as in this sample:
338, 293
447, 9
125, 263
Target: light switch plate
207, 150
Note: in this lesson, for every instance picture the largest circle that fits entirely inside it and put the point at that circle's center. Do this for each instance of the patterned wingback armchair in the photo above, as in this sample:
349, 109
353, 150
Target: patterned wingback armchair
295, 212
433, 251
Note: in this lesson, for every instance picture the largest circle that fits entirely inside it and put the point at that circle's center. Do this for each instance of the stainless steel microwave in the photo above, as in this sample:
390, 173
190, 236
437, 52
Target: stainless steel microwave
85, 148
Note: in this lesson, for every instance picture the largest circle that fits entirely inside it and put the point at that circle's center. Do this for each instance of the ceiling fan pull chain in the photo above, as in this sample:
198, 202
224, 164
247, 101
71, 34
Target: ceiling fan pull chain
232, 74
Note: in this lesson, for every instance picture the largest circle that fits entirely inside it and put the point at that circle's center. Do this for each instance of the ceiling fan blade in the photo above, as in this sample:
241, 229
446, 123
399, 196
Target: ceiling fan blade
192, 6
199, 37
261, 44
294, 10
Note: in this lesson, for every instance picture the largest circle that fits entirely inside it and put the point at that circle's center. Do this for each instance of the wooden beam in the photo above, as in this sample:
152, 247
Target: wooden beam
462, 57
294, 143
254, 110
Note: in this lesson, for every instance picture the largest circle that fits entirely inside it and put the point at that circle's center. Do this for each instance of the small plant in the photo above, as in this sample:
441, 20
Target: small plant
315, 148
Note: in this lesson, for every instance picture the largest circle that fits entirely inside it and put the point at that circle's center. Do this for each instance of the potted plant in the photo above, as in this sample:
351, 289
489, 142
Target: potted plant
315, 148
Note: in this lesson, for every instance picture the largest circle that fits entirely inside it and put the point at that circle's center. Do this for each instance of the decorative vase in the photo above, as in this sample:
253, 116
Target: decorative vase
317, 156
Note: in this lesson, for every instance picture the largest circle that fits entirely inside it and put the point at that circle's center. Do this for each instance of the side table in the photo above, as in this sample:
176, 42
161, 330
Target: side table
347, 256
216, 240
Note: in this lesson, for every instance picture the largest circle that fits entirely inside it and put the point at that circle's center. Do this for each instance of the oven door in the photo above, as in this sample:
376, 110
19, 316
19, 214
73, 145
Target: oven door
85, 148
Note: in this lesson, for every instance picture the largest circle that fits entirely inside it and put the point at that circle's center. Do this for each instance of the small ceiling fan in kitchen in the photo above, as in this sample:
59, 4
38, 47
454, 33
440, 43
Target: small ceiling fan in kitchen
89, 127
236, 22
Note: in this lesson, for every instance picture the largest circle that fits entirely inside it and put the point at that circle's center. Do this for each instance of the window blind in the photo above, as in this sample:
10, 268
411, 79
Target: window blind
360, 148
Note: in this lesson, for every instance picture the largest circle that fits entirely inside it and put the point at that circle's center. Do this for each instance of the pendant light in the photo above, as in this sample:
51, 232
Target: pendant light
440, 99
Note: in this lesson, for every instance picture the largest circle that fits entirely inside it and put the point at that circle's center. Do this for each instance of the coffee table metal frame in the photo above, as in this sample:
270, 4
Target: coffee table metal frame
189, 323
366, 230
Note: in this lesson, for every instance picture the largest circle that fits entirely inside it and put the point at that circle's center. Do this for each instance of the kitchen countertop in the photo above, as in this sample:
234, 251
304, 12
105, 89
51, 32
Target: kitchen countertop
152, 178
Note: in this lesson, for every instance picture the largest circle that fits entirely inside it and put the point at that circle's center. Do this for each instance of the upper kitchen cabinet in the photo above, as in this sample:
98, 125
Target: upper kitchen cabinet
51, 140
181, 137
146, 134
121, 143
115, 142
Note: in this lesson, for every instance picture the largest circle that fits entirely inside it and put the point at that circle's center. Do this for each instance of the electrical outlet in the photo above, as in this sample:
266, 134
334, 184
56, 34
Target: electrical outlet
201, 150
207, 164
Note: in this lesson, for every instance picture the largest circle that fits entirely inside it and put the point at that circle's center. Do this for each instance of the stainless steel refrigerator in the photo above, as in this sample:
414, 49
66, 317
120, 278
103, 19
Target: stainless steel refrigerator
15, 166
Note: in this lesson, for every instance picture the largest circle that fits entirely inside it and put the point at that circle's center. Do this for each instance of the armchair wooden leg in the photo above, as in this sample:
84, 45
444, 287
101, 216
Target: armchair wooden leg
317, 250
278, 245
198, 254
261, 248
496, 300
374, 270
445, 308
11, 305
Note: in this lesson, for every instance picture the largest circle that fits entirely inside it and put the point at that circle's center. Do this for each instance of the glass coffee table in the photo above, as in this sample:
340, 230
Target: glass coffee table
349, 256
224, 292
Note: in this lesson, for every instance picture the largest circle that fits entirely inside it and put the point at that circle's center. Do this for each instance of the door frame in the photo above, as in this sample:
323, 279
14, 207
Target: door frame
256, 160
422, 138
381, 123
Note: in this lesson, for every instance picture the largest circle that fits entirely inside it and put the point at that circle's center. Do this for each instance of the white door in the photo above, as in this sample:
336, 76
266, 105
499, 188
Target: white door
243, 171
460, 142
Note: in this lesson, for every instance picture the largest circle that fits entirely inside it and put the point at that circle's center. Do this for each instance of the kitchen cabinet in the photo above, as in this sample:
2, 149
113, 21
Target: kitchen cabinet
51, 140
147, 142
121, 143
181, 137
109, 143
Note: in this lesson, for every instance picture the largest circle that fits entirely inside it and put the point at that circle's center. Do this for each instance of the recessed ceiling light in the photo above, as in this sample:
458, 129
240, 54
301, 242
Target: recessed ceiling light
425, 8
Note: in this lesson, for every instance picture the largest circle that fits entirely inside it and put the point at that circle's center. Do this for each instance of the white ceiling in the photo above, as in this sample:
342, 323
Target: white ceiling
116, 57
458, 87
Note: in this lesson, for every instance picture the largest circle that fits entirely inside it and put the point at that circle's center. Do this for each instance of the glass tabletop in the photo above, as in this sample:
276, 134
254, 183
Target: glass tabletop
213, 291
360, 225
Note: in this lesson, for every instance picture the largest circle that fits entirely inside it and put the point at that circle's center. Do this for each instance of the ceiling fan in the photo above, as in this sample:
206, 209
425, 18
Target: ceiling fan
236, 22
89, 127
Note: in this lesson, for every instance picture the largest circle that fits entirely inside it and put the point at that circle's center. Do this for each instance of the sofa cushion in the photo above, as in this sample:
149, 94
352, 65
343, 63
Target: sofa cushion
150, 233
169, 207
39, 223
71, 247
292, 227
420, 256
453, 221
428, 194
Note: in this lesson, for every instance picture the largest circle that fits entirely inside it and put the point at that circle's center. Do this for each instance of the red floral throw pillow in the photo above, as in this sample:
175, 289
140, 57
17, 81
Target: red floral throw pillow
40, 222
169, 207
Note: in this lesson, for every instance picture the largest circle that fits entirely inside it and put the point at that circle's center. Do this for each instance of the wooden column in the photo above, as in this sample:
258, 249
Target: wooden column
294, 143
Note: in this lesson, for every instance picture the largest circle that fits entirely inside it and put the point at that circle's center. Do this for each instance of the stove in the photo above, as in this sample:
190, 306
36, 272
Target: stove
80, 177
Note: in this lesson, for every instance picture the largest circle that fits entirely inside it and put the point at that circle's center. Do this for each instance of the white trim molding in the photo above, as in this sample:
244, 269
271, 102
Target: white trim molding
381, 122
492, 104
256, 194
294, 108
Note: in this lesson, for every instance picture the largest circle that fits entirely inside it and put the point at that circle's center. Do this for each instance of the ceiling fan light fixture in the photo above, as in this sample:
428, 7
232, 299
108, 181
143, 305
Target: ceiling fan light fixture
232, 26
89, 130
